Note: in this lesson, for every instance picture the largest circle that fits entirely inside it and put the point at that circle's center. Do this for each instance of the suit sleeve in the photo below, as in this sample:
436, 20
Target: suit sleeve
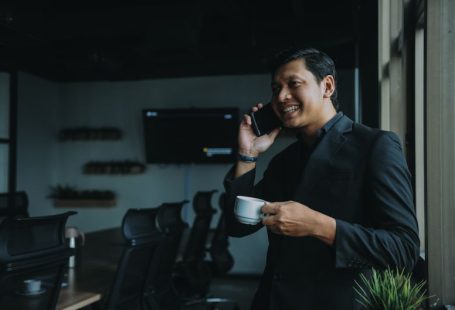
244, 185
391, 237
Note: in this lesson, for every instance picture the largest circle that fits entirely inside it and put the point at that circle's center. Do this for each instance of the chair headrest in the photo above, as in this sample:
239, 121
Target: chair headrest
202, 202
139, 224
169, 217
25, 238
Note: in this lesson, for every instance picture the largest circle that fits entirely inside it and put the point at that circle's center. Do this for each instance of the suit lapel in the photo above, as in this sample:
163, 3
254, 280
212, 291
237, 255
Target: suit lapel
319, 160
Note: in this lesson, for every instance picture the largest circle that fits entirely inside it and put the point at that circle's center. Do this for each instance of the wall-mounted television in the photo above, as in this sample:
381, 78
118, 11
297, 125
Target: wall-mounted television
195, 135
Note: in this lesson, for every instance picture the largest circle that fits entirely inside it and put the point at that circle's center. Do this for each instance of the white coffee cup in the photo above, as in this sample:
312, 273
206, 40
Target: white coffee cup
247, 210
32, 286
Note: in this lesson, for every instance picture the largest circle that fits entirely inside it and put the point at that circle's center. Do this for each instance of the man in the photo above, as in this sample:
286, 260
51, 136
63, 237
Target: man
340, 197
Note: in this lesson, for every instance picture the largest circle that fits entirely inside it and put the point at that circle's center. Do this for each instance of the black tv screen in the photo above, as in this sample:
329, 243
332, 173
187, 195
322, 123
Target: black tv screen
175, 136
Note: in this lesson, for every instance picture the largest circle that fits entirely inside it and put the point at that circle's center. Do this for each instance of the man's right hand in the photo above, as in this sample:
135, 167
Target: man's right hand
250, 144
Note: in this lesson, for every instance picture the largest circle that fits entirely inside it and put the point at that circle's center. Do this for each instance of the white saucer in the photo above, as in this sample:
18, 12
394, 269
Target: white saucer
41, 291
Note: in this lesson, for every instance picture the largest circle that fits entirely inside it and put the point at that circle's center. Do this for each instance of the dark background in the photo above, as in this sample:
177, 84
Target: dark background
90, 40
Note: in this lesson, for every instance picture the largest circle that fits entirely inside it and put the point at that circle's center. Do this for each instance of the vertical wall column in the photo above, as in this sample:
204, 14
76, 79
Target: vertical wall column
384, 62
392, 67
440, 148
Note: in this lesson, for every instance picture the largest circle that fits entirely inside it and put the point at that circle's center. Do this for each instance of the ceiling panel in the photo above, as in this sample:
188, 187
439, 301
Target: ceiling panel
136, 39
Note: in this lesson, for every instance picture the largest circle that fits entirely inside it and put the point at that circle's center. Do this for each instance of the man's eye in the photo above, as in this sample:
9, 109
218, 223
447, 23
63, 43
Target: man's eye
275, 89
294, 83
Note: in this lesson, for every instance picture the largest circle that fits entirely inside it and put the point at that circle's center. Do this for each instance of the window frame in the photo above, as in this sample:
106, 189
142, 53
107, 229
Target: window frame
11, 139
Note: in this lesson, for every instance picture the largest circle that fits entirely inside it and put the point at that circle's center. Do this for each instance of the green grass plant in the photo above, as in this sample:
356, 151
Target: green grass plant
390, 289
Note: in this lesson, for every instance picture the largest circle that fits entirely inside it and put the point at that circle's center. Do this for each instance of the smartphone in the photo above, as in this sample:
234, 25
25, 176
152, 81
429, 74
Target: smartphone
264, 120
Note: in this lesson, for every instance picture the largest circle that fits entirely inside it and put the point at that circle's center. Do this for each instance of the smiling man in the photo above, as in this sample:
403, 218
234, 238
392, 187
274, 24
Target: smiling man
340, 197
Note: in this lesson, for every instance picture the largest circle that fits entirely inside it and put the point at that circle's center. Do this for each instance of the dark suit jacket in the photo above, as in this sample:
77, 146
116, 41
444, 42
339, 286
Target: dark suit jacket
357, 175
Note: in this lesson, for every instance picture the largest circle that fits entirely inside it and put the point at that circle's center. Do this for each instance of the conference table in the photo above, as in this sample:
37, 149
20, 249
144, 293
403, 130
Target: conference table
96, 263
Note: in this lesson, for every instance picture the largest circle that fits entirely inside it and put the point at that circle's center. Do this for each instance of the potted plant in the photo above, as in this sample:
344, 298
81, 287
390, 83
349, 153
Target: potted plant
390, 289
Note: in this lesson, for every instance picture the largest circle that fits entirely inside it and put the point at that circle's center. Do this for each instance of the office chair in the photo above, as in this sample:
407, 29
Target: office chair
161, 293
15, 204
142, 241
193, 274
222, 260
32, 250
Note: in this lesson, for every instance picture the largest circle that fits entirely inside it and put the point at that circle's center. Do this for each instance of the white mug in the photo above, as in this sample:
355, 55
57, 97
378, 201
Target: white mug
247, 210
31, 286
73, 233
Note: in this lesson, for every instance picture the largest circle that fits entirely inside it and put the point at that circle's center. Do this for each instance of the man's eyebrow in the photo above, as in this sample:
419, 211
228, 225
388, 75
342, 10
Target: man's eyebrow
289, 78
294, 76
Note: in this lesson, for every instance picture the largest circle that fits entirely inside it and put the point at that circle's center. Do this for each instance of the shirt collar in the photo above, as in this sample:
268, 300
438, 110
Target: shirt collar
324, 129
331, 122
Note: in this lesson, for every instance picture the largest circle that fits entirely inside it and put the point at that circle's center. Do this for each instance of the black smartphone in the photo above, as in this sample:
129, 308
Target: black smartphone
265, 120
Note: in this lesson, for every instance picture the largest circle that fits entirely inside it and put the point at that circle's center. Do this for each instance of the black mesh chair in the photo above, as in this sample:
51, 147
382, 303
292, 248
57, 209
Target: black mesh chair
32, 249
222, 260
14, 205
193, 274
160, 293
142, 241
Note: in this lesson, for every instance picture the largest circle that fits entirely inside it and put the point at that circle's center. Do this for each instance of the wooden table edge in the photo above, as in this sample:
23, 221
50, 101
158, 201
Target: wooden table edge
82, 303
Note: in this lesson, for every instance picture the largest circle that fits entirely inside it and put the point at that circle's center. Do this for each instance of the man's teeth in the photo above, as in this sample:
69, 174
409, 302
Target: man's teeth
290, 109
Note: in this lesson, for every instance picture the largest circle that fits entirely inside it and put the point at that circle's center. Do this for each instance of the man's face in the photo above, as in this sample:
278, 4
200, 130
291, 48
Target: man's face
297, 97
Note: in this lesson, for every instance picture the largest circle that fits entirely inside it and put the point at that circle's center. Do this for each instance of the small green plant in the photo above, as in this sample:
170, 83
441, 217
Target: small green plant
390, 290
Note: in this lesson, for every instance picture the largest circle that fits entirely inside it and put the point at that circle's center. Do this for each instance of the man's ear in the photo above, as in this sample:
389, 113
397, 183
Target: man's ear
329, 86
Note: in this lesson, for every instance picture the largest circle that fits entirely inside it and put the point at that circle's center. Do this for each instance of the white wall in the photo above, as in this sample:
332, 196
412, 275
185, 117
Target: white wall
46, 107
36, 147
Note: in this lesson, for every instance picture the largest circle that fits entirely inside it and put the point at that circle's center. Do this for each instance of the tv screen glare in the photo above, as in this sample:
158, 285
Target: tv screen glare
176, 136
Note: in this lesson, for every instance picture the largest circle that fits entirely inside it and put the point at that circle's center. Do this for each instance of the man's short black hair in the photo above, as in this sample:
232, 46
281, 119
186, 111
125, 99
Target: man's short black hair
317, 62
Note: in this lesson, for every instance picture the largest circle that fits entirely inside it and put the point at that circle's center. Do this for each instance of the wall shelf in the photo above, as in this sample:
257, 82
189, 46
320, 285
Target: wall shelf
74, 203
68, 196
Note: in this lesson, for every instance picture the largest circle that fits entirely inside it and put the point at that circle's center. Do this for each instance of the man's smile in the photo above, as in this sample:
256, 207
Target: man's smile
290, 109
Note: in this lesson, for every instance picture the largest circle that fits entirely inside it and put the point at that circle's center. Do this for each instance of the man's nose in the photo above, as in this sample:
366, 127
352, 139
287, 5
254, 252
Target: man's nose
284, 95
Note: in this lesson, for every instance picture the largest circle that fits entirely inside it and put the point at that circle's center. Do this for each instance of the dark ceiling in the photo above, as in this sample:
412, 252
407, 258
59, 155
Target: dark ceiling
137, 39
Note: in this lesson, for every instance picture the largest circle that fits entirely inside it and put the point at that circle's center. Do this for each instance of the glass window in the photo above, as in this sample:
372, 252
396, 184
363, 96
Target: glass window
420, 133
4, 161
4, 105
4, 131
